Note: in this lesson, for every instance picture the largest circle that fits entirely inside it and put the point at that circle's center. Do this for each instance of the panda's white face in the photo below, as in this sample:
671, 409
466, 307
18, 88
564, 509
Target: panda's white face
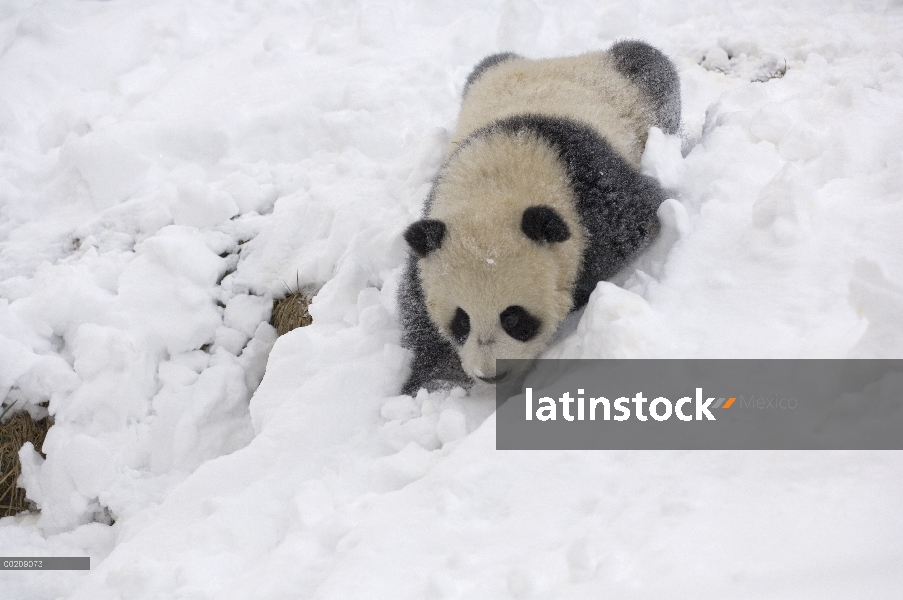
500, 251
494, 309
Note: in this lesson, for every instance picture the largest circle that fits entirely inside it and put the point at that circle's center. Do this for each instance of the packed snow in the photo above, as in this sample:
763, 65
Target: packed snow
167, 169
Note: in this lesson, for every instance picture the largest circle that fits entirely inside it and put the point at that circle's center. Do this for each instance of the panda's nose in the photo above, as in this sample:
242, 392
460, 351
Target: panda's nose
485, 342
499, 377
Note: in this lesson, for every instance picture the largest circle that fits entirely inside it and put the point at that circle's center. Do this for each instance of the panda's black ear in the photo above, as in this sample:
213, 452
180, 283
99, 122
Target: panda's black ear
544, 224
425, 235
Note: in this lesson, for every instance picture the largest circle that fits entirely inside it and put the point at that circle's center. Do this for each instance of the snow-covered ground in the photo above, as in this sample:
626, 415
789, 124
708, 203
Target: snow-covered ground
167, 168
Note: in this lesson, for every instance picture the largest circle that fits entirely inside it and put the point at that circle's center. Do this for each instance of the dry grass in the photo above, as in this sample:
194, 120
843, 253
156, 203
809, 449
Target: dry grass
291, 312
17, 430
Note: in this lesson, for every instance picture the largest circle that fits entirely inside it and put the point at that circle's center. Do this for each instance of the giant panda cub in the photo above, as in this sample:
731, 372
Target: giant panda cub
539, 199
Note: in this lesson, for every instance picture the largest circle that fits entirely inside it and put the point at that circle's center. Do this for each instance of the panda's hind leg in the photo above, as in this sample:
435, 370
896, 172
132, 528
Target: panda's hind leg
486, 64
655, 75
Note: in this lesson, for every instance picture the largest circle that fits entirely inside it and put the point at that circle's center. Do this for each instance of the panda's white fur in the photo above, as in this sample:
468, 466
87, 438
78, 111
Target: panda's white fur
539, 199
480, 267
588, 88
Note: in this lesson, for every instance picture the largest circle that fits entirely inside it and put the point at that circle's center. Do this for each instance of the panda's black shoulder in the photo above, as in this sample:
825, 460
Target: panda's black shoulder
592, 165
486, 64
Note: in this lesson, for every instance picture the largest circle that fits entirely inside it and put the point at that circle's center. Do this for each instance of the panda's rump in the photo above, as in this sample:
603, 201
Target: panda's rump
586, 88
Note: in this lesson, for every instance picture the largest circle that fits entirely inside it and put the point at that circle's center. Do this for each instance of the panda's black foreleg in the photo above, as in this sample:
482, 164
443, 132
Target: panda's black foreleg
435, 367
435, 363
655, 74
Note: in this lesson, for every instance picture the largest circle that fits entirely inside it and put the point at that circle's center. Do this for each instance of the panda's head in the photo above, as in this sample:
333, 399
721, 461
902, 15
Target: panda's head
499, 250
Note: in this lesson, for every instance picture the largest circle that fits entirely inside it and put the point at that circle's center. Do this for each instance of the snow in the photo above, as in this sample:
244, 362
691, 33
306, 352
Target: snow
168, 168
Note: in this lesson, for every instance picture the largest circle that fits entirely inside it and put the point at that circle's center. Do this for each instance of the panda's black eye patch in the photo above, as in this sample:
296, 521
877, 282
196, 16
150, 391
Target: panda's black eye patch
544, 224
460, 326
519, 324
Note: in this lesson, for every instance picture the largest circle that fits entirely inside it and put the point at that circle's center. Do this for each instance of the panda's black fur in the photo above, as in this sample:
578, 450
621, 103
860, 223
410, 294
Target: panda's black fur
653, 72
435, 359
615, 203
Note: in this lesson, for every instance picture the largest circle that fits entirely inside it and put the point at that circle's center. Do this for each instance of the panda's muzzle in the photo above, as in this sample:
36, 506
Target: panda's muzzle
498, 377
